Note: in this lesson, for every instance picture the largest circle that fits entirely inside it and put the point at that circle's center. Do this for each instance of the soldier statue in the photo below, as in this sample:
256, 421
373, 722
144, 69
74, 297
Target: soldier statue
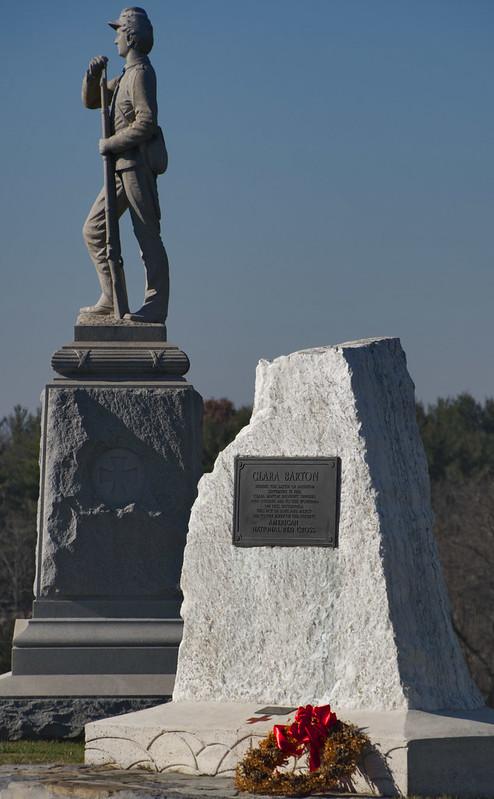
138, 152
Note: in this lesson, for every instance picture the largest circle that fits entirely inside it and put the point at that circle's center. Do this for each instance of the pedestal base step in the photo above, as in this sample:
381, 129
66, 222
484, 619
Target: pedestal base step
414, 752
84, 685
58, 706
95, 646
51, 718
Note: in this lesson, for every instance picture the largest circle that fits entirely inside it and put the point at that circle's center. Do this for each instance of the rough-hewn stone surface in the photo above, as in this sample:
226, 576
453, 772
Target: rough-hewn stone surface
119, 474
366, 625
61, 717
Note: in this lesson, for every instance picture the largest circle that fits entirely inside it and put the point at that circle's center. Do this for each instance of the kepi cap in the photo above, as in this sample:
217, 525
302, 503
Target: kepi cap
129, 15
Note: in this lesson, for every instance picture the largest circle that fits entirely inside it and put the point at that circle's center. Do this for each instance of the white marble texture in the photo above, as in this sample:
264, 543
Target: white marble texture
363, 626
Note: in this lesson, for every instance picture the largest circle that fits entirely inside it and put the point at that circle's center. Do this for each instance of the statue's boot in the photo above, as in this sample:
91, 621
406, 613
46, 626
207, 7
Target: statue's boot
153, 311
140, 317
104, 307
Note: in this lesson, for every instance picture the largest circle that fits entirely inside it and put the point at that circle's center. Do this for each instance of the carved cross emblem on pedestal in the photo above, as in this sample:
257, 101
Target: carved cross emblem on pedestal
117, 477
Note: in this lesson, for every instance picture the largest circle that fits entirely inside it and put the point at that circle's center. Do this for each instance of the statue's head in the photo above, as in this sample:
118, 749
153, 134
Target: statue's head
135, 29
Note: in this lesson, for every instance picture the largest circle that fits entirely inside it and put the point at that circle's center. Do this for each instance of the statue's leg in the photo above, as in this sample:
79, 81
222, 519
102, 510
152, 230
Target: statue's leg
94, 233
142, 197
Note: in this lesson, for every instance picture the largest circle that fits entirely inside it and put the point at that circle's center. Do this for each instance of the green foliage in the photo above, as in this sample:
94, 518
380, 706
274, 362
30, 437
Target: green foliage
222, 421
458, 436
19, 447
19, 486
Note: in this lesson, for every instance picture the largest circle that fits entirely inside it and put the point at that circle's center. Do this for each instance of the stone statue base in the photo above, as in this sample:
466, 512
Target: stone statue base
118, 350
120, 461
414, 753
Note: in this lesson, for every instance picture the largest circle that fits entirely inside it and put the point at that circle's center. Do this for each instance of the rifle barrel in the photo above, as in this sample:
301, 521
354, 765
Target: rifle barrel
113, 249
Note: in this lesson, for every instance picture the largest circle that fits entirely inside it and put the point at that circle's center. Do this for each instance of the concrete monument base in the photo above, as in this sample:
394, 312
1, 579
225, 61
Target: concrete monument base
414, 752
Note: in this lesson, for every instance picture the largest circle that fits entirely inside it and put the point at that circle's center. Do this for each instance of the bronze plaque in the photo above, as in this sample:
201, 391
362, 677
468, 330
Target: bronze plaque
286, 502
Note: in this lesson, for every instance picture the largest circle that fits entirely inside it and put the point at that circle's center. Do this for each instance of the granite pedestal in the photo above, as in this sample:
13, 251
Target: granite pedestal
120, 460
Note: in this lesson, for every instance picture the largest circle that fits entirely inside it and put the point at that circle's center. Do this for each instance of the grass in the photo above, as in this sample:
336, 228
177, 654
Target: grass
41, 752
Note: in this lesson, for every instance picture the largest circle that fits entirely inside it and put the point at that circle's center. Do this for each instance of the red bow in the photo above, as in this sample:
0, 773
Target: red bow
310, 728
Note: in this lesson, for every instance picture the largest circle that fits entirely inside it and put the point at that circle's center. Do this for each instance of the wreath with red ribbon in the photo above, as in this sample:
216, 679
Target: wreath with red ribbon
334, 749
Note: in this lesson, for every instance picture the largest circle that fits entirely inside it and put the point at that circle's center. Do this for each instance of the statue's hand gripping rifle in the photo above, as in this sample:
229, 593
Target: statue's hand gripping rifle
113, 249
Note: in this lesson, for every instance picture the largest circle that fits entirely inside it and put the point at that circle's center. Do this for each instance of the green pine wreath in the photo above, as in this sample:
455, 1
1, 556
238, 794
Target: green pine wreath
334, 748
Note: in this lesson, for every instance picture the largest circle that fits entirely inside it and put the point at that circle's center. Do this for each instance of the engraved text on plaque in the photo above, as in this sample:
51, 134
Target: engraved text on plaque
285, 502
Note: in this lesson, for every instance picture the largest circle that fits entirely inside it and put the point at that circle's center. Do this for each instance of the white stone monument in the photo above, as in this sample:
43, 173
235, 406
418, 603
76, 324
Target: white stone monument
364, 626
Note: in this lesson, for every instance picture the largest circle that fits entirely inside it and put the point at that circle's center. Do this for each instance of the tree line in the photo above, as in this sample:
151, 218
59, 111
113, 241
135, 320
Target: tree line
458, 436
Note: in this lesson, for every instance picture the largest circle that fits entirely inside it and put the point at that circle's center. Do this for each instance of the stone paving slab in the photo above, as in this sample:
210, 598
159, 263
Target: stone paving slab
52, 781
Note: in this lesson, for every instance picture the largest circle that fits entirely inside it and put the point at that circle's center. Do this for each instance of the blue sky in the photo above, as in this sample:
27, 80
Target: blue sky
331, 177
